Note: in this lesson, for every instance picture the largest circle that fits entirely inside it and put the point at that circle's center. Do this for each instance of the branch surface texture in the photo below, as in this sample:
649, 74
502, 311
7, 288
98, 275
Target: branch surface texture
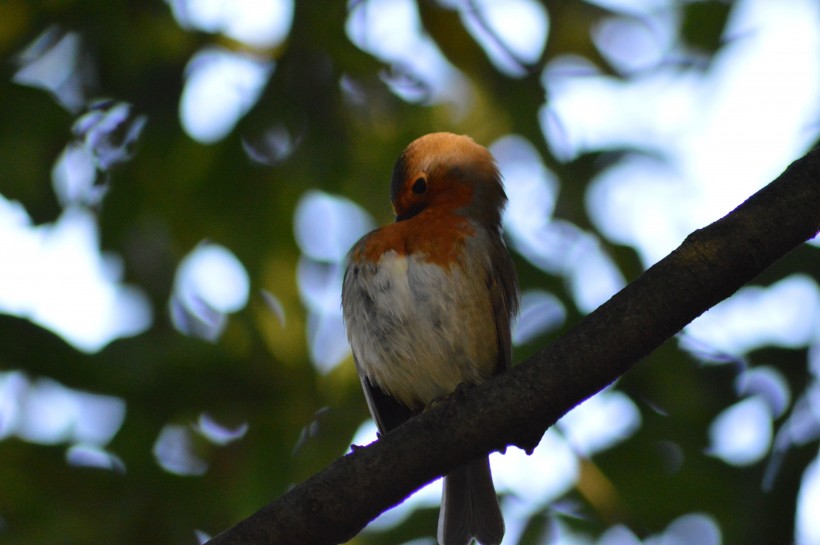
517, 407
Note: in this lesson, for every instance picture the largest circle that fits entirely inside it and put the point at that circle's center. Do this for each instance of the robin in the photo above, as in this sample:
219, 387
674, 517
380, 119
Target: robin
428, 302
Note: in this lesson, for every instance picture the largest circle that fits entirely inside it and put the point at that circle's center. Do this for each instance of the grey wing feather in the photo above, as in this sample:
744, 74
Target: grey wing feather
503, 286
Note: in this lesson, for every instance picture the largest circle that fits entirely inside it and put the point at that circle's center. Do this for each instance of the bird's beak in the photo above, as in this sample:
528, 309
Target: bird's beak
409, 214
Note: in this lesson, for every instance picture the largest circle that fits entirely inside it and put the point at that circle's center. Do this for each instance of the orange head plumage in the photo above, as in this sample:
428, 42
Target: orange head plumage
450, 172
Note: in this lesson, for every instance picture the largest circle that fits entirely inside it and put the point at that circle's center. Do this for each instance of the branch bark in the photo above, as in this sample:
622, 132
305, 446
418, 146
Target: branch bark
518, 407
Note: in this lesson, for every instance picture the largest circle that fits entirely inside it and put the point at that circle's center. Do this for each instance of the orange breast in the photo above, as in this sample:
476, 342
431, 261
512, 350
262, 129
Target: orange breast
438, 237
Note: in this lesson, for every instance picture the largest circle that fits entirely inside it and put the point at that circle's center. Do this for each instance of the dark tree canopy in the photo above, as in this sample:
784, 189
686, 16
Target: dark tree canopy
178, 190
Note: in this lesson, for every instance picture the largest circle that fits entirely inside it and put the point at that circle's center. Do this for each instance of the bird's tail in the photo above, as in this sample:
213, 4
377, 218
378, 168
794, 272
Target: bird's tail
469, 507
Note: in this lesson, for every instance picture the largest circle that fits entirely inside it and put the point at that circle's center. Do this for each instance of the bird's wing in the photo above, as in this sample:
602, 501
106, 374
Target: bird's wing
502, 283
385, 409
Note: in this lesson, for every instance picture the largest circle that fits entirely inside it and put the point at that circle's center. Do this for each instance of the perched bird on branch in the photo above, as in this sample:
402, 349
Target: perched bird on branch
428, 302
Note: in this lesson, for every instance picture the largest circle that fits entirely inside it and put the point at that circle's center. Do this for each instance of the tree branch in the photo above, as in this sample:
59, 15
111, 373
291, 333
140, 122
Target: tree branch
517, 408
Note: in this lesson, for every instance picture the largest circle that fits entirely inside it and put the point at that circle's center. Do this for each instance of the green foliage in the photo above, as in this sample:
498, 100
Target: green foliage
176, 192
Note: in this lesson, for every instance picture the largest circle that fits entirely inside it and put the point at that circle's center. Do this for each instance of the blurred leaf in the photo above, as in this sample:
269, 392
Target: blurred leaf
327, 119
703, 23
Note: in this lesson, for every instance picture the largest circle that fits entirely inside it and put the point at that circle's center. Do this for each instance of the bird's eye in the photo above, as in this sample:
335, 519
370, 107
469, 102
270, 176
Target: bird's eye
419, 186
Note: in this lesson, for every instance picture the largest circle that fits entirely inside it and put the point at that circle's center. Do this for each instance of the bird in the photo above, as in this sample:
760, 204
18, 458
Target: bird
428, 303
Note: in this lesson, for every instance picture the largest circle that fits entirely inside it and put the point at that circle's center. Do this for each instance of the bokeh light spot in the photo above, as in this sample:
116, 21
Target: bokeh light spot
73, 177
807, 531
618, 535
47, 412
541, 312
512, 32
602, 421
254, 22
783, 314
55, 276
631, 43
210, 283
391, 31
326, 226
692, 529
768, 383
742, 434
52, 62
174, 452
217, 433
92, 456
523, 476
320, 287
220, 87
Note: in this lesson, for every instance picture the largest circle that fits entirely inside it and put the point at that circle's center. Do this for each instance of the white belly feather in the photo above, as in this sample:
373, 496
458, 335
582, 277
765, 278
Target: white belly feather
419, 330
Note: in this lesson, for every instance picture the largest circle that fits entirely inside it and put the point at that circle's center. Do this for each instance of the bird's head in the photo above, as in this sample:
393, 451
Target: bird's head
449, 172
